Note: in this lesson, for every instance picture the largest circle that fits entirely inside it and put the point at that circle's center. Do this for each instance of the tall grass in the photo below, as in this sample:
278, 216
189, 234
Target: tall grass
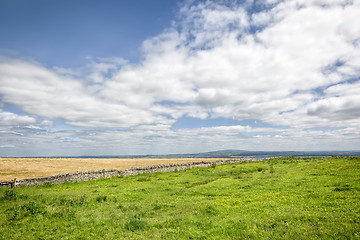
284, 198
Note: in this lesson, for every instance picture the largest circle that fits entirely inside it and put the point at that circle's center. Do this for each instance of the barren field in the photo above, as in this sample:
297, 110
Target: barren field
21, 168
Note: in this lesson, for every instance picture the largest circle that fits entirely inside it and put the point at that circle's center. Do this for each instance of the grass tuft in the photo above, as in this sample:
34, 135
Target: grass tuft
101, 198
136, 223
10, 194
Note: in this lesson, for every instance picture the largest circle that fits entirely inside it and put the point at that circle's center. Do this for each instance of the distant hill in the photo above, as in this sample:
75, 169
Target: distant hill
238, 154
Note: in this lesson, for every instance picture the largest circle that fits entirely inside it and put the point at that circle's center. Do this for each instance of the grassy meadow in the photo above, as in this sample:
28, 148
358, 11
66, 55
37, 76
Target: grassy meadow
282, 198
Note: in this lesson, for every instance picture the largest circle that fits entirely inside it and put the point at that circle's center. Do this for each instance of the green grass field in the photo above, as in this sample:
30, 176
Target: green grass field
283, 198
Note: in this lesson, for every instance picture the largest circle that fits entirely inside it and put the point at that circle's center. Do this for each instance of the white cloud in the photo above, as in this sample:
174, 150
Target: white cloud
11, 119
7, 146
162, 140
294, 64
49, 95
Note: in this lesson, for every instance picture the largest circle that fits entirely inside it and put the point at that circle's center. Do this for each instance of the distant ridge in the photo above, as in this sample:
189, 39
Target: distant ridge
234, 154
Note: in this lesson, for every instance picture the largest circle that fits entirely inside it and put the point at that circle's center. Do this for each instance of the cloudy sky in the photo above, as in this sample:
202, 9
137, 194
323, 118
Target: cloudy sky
169, 76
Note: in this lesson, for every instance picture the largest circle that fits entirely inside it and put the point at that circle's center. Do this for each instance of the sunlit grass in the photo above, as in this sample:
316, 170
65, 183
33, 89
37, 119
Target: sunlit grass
285, 198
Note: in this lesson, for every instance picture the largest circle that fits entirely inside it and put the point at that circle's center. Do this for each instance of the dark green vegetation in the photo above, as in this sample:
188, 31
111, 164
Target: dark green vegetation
284, 198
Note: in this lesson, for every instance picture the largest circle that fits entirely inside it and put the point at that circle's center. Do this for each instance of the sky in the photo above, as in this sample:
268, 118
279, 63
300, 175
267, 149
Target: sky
178, 76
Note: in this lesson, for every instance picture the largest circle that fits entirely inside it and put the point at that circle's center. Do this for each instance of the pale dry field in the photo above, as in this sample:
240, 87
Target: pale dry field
21, 168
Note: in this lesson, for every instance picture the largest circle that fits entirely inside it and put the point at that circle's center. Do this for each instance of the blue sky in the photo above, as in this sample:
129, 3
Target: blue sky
155, 77
75, 30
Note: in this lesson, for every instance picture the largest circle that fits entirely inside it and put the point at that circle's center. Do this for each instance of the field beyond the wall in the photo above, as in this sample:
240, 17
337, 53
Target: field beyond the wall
281, 198
21, 168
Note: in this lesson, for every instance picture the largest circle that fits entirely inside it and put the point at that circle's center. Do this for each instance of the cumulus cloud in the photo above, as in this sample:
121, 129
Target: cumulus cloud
291, 63
341, 103
47, 94
11, 119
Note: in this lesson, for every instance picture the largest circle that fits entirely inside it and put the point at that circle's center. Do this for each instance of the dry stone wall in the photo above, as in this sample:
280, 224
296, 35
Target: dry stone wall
98, 174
